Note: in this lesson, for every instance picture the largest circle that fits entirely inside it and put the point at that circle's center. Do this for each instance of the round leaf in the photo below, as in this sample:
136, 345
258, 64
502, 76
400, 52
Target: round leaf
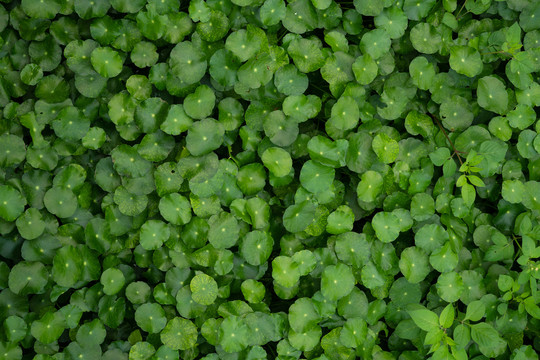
106, 62
150, 317
179, 334
204, 289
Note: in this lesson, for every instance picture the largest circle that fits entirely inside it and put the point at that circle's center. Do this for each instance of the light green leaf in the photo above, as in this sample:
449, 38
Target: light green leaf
488, 339
492, 95
476, 310
204, 289
337, 281
425, 319
446, 319
179, 334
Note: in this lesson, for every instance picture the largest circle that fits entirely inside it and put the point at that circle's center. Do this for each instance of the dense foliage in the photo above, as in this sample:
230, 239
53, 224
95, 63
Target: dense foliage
261, 179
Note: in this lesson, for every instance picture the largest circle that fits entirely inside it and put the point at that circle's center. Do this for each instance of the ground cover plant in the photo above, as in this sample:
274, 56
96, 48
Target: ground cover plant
261, 179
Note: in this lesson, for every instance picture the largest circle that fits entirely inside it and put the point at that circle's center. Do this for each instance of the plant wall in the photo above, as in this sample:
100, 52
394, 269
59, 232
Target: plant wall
261, 179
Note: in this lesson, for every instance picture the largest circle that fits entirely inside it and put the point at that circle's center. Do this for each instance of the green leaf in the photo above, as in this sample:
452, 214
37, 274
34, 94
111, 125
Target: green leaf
12, 203
476, 310
138, 292
28, 278
200, 103
15, 328
48, 328
306, 261
67, 266
414, 264
150, 113
386, 148
129, 204
393, 20
91, 333
306, 341
456, 113
532, 308
466, 60
513, 191
425, 319
450, 286
106, 62
224, 230
468, 193
278, 161
446, 319
179, 334
253, 291
175, 208
354, 332
442, 353
341, 220
176, 121
281, 130
285, 271
60, 201
13, 150
417, 10
431, 237
46, 9
272, 12
370, 186
315, 177
337, 281
417, 123
375, 43
425, 38
128, 162
306, 54
462, 335
187, 63
444, 259
153, 234
422, 72
505, 282
290, 81
94, 138
256, 247
87, 10
488, 339
345, 113
298, 217
141, 350
365, 69
144, 54
492, 95
204, 289
521, 117
113, 281
233, 334
387, 226
303, 315
368, 8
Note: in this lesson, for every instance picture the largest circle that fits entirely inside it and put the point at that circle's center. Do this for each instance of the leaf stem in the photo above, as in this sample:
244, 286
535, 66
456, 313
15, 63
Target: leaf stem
282, 36
231, 156
496, 52
460, 9
456, 151
465, 13
517, 243
321, 89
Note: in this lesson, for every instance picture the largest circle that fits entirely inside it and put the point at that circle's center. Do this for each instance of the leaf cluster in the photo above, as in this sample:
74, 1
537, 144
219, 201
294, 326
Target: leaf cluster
269, 179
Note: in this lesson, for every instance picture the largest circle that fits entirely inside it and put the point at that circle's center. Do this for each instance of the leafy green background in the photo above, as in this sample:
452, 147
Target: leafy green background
261, 179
